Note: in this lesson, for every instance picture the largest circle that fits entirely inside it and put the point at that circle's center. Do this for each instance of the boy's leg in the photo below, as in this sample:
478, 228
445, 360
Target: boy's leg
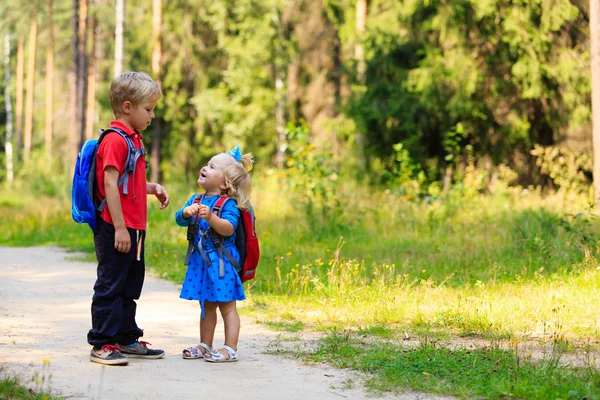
107, 307
107, 302
129, 332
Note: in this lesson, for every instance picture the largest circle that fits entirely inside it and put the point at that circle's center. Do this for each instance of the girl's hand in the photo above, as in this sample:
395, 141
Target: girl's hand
205, 213
191, 210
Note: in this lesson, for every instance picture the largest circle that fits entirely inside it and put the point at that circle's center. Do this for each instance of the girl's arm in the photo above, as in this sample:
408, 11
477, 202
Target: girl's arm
226, 224
220, 225
180, 218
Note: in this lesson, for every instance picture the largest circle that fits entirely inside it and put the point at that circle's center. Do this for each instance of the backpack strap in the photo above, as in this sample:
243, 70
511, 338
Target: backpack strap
217, 209
218, 239
133, 153
191, 234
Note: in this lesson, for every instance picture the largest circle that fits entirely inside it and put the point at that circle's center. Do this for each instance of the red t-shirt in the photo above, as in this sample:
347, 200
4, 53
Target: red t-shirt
113, 152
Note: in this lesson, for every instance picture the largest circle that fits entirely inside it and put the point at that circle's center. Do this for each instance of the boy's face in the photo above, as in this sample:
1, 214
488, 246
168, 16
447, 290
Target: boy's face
139, 116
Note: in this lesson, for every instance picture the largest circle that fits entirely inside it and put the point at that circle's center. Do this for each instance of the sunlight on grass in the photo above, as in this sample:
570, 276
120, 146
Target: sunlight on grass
510, 266
488, 371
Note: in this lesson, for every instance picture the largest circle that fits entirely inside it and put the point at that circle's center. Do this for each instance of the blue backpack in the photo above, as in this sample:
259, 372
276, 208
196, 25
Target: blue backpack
85, 204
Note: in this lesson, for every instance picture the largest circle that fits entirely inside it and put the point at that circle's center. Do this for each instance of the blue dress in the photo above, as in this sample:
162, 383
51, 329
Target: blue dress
203, 282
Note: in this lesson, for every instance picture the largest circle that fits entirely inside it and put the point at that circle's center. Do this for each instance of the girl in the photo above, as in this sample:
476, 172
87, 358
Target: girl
211, 278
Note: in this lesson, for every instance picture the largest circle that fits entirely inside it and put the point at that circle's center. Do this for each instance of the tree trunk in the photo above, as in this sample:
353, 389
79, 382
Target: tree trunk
81, 83
595, 66
280, 120
119, 37
30, 87
19, 96
8, 140
156, 58
74, 88
361, 22
50, 81
359, 53
280, 95
91, 80
336, 75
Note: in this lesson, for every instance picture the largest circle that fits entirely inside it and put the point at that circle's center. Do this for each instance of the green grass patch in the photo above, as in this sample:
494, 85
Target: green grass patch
12, 389
286, 326
490, 372
377, 331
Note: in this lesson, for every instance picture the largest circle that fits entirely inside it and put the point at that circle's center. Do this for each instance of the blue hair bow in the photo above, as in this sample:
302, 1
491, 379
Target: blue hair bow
236, 153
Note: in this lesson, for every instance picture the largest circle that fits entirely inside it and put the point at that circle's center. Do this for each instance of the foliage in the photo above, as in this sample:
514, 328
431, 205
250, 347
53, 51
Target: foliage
405, 176
496, 75
446, 80
312, 179
569, 170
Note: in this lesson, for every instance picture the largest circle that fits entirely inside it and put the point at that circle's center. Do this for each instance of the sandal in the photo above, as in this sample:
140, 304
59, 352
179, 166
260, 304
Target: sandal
195, 352
217, 356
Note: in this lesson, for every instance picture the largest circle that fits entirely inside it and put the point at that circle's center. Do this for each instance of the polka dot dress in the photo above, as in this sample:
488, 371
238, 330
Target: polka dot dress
202, 282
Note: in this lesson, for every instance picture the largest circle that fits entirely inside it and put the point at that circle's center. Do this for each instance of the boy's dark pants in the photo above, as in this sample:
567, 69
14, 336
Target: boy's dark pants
119, 284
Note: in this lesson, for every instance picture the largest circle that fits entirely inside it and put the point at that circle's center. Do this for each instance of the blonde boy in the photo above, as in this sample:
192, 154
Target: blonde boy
119, 238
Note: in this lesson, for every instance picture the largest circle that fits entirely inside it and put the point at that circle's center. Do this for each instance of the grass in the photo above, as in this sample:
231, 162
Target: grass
11, 388
489, 371
513, 266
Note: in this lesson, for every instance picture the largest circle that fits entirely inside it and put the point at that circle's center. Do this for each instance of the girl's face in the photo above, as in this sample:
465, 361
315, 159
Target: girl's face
211, 176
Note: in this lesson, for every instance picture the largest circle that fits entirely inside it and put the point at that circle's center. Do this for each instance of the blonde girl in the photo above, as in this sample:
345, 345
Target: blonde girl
210, 279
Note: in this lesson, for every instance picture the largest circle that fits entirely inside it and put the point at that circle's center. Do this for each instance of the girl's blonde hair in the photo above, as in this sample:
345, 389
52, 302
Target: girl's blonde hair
238, 179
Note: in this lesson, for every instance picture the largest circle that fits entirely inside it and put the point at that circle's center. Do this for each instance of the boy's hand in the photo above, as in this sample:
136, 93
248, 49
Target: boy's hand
190, 211
122, 240
162, 196
205, 213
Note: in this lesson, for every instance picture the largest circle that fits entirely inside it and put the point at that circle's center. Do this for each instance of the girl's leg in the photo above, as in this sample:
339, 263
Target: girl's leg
207, 328
208, 324
231, 321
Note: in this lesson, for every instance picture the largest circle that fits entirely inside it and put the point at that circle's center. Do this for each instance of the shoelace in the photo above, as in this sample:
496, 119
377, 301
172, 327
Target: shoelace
110, 347
145, 344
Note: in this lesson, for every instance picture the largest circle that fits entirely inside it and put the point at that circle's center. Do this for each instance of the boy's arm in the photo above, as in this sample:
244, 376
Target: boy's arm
113, 200
160, 193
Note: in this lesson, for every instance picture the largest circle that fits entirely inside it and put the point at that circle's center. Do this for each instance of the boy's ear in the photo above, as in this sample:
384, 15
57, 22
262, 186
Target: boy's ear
126, 107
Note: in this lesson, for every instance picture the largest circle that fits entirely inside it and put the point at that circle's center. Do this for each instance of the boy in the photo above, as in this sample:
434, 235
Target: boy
119, 237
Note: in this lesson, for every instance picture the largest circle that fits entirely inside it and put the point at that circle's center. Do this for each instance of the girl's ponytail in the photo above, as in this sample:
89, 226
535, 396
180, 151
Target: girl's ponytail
238, 180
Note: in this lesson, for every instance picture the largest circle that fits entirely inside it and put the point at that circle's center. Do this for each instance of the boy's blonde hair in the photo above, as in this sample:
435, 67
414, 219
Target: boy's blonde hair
132, 86
238, 179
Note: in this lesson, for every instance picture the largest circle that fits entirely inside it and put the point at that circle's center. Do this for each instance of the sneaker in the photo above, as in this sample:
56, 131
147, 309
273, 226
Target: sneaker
108, 355
140, 350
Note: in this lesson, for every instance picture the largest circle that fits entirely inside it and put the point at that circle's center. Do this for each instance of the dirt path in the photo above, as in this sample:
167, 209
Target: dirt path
45, 315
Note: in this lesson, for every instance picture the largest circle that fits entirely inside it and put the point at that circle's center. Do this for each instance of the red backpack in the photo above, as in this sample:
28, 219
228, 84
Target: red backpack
246, 241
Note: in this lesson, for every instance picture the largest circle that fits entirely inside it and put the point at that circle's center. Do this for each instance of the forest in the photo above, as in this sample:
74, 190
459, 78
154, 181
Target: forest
423, 178
404, 93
